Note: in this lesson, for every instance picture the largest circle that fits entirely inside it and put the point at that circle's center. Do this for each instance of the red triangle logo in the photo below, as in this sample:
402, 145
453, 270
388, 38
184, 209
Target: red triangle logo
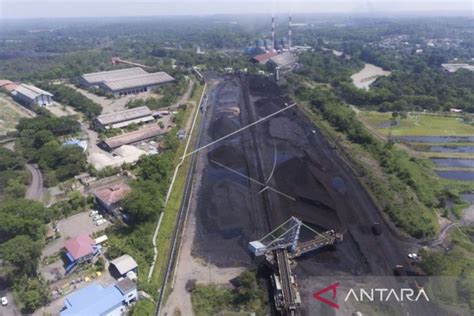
333, 288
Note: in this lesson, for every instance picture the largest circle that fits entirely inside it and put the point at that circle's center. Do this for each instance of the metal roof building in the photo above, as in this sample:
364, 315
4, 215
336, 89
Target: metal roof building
132, 82
133, 137
284, 60
123, 118
124, 264
264, 58
31, 95
95, 78
95, 300
125, 81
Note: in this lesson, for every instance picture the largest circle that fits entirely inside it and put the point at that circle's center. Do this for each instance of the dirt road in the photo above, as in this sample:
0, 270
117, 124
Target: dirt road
35, 189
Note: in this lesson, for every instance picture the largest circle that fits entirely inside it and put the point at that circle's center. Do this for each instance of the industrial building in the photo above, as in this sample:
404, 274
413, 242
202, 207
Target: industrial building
123, 118
112, 143
122, 155
93, 80
263, 58
8, 85
125, 81
32, 96
285, 60
97, 300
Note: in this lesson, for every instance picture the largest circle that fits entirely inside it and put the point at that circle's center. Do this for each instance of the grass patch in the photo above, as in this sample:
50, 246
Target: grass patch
418, 124
248, 297
9, 115
163, 240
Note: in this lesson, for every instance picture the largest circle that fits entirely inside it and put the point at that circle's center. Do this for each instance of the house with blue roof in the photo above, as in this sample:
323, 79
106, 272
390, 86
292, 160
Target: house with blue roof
96, 300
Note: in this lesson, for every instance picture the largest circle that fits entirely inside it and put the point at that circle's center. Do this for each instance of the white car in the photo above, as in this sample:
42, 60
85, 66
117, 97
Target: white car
93, 213
413, 256
4, 301
97, 217
100, 222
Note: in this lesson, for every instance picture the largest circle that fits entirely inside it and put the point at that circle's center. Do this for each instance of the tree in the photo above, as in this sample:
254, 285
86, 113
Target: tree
25, 209
144, 202
433, 262
23, 253
157, 168
15, 188
9, 160
248, 290
32, 293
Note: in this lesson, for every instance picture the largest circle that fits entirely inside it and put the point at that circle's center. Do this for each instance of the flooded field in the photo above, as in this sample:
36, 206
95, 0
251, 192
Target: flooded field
453, 162
364, 78
456, 175
436, 139
446, 149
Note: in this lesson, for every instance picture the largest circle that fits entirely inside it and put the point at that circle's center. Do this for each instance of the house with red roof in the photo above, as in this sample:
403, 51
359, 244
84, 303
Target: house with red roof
80, 249
109, 198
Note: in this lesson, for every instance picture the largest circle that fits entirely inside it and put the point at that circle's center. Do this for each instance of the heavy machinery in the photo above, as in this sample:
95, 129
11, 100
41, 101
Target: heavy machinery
280, 247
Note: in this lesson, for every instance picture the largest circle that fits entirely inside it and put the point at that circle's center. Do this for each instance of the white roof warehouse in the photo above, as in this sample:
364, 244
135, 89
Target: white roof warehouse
125, 81
123, 118
31, 95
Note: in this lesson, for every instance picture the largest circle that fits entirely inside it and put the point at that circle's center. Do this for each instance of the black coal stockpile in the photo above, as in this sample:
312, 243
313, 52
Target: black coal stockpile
222, 126
260, 86
228, 156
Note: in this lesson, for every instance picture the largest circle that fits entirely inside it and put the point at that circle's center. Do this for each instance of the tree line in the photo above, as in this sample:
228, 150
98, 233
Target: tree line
40, 139
68, 96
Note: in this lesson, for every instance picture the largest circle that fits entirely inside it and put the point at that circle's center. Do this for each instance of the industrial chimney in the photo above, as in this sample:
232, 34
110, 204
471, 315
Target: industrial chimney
273, 33
289, 33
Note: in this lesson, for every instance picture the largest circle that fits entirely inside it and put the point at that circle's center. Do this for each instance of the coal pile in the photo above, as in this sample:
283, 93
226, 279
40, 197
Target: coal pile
228, 156
261, 86
223, 126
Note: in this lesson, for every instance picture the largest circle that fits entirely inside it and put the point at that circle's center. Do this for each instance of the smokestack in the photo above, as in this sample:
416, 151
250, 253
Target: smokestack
273, 32
289, 33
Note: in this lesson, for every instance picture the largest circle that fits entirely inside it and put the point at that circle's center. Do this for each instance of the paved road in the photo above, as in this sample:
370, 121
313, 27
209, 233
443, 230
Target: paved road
11, 309
35, 189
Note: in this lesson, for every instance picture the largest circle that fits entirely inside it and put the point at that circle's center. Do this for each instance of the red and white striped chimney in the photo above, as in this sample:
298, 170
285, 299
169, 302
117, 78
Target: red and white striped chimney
273, 32
289, 33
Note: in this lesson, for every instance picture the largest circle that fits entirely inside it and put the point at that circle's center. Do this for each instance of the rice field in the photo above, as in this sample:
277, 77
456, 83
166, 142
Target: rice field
447, 141
417, 125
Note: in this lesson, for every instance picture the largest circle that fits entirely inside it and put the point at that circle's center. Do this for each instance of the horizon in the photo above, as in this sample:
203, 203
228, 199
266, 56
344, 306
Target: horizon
57, 9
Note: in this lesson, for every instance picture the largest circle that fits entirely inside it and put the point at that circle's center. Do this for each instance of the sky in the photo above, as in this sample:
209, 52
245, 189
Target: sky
13, 9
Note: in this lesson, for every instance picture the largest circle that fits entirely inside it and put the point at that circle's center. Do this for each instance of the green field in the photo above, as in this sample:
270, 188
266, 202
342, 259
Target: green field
418, 125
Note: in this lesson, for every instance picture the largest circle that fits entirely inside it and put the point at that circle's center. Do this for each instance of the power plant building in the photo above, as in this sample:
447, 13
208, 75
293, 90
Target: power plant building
284, 60
125, 81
